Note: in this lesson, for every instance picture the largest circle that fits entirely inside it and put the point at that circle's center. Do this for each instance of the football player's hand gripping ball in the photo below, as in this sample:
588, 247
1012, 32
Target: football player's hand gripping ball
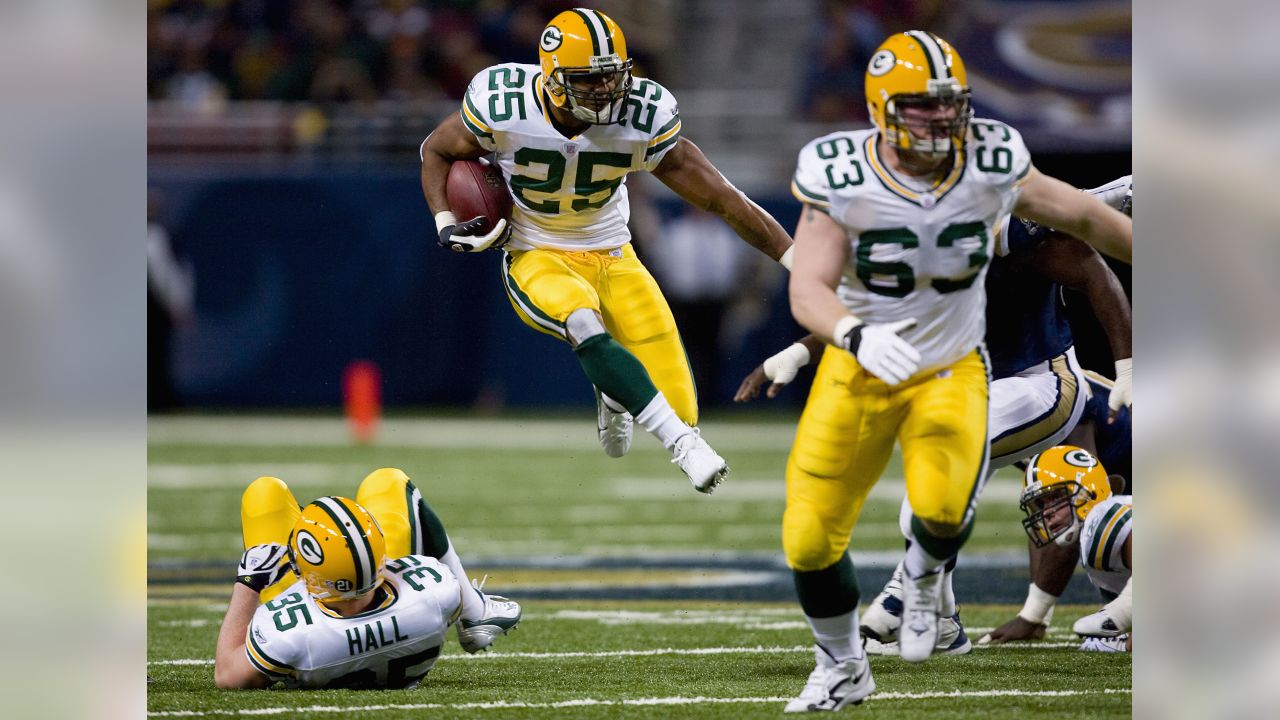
262, 565
462, 237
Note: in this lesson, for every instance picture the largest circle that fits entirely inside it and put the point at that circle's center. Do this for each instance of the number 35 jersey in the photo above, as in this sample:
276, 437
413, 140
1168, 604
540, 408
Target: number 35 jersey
917, 252
392, 645
569, 192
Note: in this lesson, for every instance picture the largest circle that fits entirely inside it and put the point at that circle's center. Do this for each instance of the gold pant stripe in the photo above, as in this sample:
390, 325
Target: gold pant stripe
1051, 421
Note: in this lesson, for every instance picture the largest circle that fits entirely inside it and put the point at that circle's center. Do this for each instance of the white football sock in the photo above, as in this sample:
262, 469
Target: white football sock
659, 418
472, 605
919, 563
838, 635
1121, 609
948, 595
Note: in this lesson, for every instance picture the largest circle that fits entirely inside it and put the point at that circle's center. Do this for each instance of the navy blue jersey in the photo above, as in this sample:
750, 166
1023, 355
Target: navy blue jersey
1114, 441
1026, 320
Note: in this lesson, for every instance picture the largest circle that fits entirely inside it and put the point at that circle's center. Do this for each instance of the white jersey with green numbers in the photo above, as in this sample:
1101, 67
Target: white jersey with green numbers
1106, 528
392, 645
570, 193
917, 251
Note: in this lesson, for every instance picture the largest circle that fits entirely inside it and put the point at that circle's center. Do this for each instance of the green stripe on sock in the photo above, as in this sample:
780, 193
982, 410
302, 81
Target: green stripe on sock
435, 541
830, 591
616, 372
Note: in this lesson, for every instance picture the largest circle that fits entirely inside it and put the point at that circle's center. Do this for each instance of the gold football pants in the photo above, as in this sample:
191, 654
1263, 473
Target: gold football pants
546, 286
268, 512
845, 439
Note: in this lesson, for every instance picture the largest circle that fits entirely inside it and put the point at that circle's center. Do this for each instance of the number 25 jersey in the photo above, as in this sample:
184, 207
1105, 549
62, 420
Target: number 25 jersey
391, 645
570, 193
915, 252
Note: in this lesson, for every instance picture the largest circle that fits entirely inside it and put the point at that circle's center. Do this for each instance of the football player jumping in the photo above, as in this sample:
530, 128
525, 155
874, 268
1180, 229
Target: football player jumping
891, 252
348, 593
566, 133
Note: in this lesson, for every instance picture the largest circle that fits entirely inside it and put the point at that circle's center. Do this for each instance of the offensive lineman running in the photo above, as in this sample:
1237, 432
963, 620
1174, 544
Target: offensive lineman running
892, 249
566, 133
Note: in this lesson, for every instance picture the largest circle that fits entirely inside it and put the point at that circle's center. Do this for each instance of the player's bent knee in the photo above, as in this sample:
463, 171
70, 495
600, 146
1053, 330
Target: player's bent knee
382, 480
947, 528
582, 324
807, 544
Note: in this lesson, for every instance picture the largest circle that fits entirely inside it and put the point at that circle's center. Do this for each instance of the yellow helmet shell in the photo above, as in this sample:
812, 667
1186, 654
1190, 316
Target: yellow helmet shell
337, 549
1065, 471
581, 41
915, 63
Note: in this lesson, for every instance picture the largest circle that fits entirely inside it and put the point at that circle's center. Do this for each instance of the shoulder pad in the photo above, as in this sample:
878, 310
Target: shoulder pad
997, 152
826, 164
651, 110
498, 96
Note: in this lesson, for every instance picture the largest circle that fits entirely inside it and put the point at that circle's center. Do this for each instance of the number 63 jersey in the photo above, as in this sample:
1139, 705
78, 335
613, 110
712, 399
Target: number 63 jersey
569, 192
915, 251
391, 645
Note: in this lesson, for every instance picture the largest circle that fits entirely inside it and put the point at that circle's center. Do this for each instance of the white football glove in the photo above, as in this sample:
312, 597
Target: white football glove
782, 368
461, 237
1122, 389
262, 565
881, 352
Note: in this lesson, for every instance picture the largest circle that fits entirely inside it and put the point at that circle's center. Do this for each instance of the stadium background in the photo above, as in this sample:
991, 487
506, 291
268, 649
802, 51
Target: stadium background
282, 147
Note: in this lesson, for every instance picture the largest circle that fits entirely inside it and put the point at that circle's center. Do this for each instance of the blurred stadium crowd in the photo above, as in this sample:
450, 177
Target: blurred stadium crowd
203, 54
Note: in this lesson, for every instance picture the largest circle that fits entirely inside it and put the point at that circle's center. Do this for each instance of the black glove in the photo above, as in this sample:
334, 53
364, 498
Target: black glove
262, 565
462, 236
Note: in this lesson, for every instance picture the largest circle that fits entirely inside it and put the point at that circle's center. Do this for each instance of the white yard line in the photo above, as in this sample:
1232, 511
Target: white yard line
585, 702
755, 650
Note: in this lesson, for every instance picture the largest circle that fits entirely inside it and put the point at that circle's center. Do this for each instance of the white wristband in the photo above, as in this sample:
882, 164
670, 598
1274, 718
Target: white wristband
444, 219
842, 328
1038, 607
793, 358
785, 260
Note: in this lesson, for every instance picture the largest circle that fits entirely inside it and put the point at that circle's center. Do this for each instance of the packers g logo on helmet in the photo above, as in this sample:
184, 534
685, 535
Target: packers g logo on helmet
585, 66
337, 549
1061, 485
918, 68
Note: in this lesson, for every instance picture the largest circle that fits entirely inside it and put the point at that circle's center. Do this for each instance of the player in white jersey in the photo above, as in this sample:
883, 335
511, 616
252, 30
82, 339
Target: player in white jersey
891, 253
327, 609
1067, 496
565, 134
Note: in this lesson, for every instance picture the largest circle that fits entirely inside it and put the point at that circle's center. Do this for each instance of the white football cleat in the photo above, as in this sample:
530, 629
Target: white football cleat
883, 617
1105, 645
922, 598
705, 468
1099, 624
614, 429
952, 640
500, 616
832, 686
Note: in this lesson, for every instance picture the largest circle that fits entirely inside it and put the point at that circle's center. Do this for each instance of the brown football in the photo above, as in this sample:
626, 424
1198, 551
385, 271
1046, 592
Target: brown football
476, 188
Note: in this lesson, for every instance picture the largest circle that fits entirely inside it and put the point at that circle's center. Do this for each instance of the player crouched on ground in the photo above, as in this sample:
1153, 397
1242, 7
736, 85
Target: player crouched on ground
1067, 495
317, 603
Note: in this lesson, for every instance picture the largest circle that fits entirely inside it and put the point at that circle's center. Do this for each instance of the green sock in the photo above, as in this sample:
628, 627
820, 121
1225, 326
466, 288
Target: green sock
830, 591
936, 546
616, 372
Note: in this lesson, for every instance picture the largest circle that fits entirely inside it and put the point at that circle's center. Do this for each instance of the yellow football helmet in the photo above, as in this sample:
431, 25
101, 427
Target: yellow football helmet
337, 548
918, 69
1061, 485
585, 65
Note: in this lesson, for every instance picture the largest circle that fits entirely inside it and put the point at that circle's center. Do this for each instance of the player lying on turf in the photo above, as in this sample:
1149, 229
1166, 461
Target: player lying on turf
567, 132
1067, 496
318, 604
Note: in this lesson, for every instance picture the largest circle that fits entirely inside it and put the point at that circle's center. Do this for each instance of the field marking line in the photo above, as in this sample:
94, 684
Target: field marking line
641, 702
756, 650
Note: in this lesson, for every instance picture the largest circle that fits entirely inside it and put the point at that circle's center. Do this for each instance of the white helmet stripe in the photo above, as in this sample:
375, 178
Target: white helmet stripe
361, 551
597, 29
937, 59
